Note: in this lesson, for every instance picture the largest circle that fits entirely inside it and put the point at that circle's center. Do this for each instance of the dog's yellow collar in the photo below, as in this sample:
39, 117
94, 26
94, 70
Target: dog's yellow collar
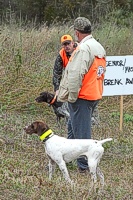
46, 134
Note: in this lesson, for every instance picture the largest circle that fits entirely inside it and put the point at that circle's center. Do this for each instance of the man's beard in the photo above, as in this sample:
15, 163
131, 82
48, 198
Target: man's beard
76, 38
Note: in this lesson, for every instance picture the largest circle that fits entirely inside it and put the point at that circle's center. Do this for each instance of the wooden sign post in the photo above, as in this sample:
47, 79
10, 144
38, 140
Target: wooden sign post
121, 113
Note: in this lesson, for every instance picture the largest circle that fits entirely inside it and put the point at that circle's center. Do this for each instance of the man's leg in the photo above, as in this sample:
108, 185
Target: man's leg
80, 112
95, 116
70, 130
94, 120
81, 123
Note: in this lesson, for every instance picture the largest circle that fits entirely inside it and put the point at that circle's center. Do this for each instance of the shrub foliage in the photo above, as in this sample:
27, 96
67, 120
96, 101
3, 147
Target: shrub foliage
48, 11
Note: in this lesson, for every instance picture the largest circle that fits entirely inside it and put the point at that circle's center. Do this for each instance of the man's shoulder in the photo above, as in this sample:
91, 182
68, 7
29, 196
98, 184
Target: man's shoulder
58, 59
91, 44
58, 56
84, 46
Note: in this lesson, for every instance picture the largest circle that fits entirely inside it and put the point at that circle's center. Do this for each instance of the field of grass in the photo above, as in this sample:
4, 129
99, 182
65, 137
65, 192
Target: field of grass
26, 62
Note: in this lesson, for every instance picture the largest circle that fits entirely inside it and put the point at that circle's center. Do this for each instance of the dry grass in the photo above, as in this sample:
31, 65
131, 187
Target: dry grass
23, 161
26, 64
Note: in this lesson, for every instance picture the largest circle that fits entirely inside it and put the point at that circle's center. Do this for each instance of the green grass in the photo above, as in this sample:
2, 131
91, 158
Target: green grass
23, 173
26, 64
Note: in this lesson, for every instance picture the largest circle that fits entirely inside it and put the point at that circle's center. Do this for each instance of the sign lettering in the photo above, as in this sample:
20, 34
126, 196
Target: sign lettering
118, 76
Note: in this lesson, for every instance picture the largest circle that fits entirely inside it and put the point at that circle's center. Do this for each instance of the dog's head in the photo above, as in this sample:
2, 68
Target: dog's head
37, 127
45, 97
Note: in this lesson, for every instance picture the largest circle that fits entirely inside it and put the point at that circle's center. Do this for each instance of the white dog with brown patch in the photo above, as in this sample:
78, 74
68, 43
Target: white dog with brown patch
61, 150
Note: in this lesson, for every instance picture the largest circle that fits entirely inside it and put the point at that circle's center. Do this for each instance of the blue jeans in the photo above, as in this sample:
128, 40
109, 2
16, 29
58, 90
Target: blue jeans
79, 124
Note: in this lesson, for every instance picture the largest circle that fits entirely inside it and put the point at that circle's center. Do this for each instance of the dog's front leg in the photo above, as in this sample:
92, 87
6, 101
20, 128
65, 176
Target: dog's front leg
92, 167
101, 177
51, 166
93, 181
63, 168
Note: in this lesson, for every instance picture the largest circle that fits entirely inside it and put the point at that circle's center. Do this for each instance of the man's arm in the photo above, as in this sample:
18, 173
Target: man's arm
57, 72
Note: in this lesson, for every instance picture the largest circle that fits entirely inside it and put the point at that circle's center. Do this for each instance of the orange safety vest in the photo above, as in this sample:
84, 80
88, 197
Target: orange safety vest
64, 57
92, 84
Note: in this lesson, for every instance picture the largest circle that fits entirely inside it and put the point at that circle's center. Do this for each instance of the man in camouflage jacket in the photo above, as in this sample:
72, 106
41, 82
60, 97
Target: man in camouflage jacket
62, 59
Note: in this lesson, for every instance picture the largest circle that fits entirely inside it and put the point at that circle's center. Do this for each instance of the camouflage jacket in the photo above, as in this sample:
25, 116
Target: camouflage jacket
57, 71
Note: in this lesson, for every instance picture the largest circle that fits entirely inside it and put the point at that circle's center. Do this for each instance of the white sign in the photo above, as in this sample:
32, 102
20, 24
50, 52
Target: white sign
119, 76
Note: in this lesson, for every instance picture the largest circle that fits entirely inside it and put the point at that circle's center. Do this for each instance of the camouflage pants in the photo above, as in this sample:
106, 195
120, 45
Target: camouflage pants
95, 116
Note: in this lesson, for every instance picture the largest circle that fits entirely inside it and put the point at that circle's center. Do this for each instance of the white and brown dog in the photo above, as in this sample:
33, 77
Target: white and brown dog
61, 151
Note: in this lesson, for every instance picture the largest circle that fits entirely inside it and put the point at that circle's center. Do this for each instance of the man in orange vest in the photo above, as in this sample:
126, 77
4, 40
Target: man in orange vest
82, 83
68, 46
62, 59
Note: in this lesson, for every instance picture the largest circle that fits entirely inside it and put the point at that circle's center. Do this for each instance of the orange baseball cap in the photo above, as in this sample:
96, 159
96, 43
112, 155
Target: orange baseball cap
66, 38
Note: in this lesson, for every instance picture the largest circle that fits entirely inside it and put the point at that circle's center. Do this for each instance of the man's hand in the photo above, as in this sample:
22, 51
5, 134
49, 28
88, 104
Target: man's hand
56, 93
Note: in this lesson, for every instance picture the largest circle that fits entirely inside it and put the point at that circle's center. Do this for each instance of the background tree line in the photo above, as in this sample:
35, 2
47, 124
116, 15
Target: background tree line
50, 11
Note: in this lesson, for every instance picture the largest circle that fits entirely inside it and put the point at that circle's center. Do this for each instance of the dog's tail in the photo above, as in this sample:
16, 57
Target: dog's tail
105, 140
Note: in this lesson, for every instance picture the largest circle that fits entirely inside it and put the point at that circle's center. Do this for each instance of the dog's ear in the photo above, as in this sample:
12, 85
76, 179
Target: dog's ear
34, 125
43, 126
50, 97
40, 127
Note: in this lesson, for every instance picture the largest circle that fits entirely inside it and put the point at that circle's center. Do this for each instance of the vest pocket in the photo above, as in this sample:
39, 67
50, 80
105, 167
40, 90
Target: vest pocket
63, 94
